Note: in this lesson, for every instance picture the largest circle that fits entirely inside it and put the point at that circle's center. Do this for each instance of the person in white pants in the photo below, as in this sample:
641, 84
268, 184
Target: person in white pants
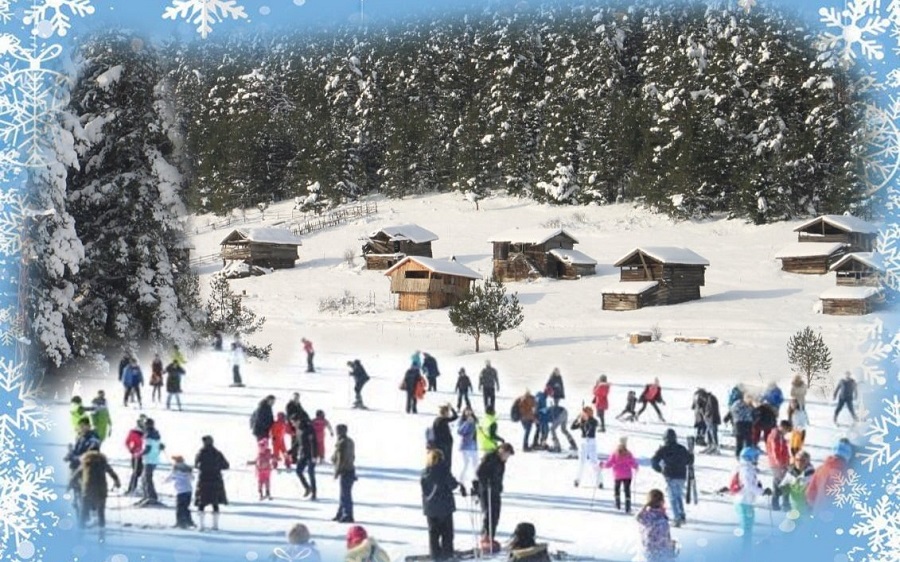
468, 447
587, 454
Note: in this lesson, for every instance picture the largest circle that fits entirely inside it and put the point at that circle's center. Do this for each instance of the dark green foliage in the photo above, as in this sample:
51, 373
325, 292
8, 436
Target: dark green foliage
226, 314
487, 310
808, 355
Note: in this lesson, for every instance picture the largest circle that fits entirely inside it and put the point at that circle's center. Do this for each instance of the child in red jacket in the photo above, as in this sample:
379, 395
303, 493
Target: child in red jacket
280, 429
320, 424
264, 464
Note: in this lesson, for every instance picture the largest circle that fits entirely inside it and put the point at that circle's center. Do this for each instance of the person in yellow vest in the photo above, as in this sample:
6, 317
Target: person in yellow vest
488, 440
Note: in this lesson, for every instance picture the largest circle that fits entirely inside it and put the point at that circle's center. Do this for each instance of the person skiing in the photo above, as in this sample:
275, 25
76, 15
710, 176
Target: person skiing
320, 423
156, 379
697, 405
833, 467
430, 371
601, 400
559, 419
153, 448
746, 489
587, 453
134, 442
90, 479
174, 372
344, 461
656, 536
488, 384
100, 417
651, 395
306, 452
77, 411
468, 446
779, 455
442, 436
310, 353
438, 504
182, 479
236, 359
132, 381
523, 411
280, 429
741, 415
363, 548
797, 480
489, 488
210, 463
263, 466
299, 547
799, 422
409, 384
798, 390
672, 460
262, 418
773, 397
711, 419
845, 393
629, 412
523, 546
555, 388
360, 378
624, 467
488, 440
463, 386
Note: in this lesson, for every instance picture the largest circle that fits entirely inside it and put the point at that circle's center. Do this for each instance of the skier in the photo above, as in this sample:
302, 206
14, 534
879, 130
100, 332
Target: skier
409, 384
299, 546
77, 411
746, 488
656, 538
438, 504
305, 452
153, 448
310, 353
488, 384
174, 372
697, 405
263, 465
624, 467
430, 371
360, 378
601, 400
741, 415
279, 430
833, 467
344, 461
523, 411
156, 379
773, 397
90, 479
237, 359
711, 419
559, 419
845, 394
363, 548
210, 486
468, 446
523, 546
799, 422
488, 440
555, 388
798, 390
182, 479
672, 460
442, 436
651, 395
779, 460
262, 418
797, 480
587, 423
100, 418
134, 442
320, 423
629, 412
489, 488
463, 386
132, 380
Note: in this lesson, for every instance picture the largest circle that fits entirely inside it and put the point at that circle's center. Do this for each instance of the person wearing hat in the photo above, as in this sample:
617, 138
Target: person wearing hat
150, 457
441, 435
182, 479
299, 547
672, 460
833, 467
463, 386
90, 479
587, 453
624, 466
210, 463
488, 488
746, 488
134, 442
438, 504
344, 460
523, 546
363, 548
489, 384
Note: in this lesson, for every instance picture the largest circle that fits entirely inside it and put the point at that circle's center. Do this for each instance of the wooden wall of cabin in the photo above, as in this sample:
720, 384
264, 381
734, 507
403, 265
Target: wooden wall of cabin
612, 301
847, 307
381, 261
857, 275
413, 249
516, 268
858, 241
807, 266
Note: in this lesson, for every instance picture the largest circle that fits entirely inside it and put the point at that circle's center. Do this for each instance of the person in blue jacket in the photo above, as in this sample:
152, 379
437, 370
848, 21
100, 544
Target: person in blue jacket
773, 397
153, 448
132, 380
542, 418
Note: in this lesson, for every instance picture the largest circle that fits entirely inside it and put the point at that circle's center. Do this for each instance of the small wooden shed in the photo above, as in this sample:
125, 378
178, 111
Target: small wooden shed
851, 301
423, 283
540, 252
264, 247
859, 269
385, 247
858, 234
661, 275
810, 259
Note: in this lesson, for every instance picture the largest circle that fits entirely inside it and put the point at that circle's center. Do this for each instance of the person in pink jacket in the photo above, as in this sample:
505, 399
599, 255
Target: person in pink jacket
624, 466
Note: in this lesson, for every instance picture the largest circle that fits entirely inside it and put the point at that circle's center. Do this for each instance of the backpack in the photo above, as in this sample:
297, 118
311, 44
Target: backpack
735, 487
514, 413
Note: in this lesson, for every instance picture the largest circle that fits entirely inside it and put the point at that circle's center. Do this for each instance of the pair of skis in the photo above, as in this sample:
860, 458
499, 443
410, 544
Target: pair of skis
691, 495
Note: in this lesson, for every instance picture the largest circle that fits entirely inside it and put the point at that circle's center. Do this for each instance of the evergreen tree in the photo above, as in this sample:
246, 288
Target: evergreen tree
808, 355
226, 314
486, 310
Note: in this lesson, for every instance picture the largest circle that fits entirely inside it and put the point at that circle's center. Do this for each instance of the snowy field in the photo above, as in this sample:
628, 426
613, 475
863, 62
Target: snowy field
748, 304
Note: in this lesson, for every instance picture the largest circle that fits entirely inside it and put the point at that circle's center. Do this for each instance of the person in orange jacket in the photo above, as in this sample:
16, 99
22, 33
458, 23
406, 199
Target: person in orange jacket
279, 430
779, 454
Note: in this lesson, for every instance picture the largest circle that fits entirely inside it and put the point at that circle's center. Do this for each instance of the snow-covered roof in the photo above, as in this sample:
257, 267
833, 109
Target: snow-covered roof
629, 287
808, 250
850, 293
446, 267
530, 235
264, 235
847, 223
572, 256
666, 254
871, 259
412, 232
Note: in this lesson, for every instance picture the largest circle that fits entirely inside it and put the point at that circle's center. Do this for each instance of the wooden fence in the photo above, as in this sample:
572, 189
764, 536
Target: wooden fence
334, 218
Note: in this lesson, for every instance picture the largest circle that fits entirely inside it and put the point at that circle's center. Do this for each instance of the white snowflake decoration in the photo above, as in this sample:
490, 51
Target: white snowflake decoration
24, 488
884, 435
6, 10
19, 411
204, 13
50, 17
882, 141
880, 525
846, 489
860, 23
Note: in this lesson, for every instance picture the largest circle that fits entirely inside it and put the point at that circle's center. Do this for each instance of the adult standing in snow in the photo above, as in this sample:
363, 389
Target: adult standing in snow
556, 389
409, 384
360, 378
156, 379
134, 442
741, 414
463, 386
438, 504
779, 461
87, 439
488, 440
624, 466
306, 456
218, 341
210, 463
489, 489
100, 417
430, 370
344, 461
774, 398
90, 479
123, 363
443, 437
601, 400
798, 390
294, 408
77, 411
656, 535
153, 448
697, 405
746, 489
764, 420
672, 460
712, 418
468, 446
174, 372
845, 394
652, 395
542, 418
559, 419
587, 454
262, 418
489, 384
133, 380
310, 353
237, 359
524, 408
178, 357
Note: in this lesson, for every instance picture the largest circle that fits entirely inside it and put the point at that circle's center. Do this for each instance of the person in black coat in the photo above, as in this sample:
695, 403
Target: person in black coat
672, 460
293, 409
430, 370
210, 463
556, 387
442, 436
712, 419
489, 486
697, 405
360, 378
263, 418
410, 380
463, 386
438, 504
305, 454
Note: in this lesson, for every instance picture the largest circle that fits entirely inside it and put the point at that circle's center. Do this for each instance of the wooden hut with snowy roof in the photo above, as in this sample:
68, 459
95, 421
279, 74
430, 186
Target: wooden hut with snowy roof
264, 247
857, 234
656, 275
858, 289
423, 283
539, 252
859, 269
810, 259
385, 247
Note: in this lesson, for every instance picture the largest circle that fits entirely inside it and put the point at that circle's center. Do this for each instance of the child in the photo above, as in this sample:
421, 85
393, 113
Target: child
264, 463
299, 546
623, 466
279, 430
630, 405
795, 483
656, 539
746, 488
320, 424
156, 379
182, 478
799, 421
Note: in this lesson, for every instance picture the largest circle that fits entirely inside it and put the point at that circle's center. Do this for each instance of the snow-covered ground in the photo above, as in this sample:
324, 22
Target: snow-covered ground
748, 304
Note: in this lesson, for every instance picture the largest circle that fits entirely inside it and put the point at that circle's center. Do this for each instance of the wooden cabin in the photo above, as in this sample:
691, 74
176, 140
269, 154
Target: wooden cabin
658, 275
851, 301
543, 252
264, 247
858, 234
859, 269
385, 247
810, 259
423, 283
